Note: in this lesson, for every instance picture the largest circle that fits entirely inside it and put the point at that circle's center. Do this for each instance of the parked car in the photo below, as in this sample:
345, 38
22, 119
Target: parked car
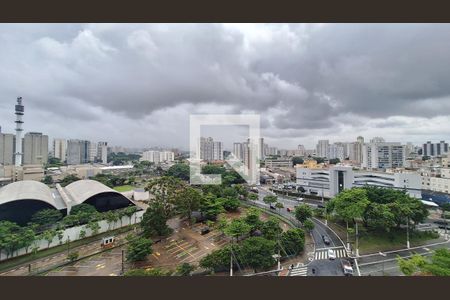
272, 207
205, 230
289, 209
300, 199
326, 239
331, 254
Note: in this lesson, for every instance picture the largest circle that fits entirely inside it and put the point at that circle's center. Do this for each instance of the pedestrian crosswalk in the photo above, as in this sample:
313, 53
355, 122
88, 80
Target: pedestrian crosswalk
323, 253
299, 271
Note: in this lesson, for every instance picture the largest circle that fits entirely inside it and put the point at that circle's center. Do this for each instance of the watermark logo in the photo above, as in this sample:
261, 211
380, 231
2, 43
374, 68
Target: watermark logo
248, 167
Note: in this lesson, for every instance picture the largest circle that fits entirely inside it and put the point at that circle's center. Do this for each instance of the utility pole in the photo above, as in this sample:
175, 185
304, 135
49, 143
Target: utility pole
348, 243
357, 239
407, 234
231, 260
123, 255
384, 255
68, 245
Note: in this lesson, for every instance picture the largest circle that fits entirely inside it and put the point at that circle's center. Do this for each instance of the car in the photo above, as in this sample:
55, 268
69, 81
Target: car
347, 267
300, 199
331, 254
205, 230
289, 209
272, 207
326, 239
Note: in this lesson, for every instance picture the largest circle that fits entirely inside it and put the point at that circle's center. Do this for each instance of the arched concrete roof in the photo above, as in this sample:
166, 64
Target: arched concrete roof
27, 190
82, 190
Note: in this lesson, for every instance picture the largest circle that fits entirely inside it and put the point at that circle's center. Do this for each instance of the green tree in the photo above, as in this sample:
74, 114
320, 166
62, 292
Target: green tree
257, 252
185, 269
48, 179
82, 233
73, 256
46, 217
154, 220
211, 207
138, 248
49, 235
230, 203
129, 212
308, 225
253, 196
271, 229
303, 212
94, 227
111, 217
293, 241
219, 260
180, 171
230, 192
237, 228
188, 201
279, 206
297, 160
269, 199
68, 180
334, 161
252, 218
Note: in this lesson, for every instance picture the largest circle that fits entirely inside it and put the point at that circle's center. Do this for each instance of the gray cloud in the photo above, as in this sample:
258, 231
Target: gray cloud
136, 84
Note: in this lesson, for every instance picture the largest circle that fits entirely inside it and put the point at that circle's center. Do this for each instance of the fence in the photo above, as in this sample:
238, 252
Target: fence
73, 234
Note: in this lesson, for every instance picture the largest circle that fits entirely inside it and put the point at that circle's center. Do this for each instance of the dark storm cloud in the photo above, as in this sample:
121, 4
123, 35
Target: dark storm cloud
304, 80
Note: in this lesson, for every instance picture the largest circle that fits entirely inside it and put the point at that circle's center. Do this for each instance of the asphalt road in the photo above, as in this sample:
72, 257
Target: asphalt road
324, 267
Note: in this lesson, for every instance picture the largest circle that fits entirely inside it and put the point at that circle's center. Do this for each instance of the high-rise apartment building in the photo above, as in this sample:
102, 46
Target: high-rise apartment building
78, 152
6, 149
210, 150
322, 148
35, 148
336, 151
435, 149
102, 152
301, 150
60, 149
383, 155
238, 151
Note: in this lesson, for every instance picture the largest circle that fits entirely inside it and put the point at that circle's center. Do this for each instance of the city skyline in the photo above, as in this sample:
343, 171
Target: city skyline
136, 84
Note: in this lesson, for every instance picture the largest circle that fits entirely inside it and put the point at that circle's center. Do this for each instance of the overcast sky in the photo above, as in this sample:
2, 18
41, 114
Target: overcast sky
135, 85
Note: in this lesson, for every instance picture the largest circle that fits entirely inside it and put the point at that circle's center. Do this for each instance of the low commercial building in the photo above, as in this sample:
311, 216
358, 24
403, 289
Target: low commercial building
329, 182
20, 200
278, 163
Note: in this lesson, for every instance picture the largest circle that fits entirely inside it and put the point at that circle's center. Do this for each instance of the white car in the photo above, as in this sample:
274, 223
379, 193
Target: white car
300, 199
331, 254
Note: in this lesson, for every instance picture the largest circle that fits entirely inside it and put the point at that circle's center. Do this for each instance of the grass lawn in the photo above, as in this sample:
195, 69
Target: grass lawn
372, 242
124, 188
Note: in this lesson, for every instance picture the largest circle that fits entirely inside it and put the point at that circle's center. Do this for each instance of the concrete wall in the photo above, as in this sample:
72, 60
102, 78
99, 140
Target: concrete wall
74, 234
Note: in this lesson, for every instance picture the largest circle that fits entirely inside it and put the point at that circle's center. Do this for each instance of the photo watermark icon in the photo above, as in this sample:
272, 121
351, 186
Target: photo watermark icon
247, 168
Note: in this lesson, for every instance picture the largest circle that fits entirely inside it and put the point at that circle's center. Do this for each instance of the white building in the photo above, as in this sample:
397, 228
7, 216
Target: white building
238, 151
158, 156
35, 148
322, 148
336, 150
382, 155
210, 150
330, 182
6, 149
102, 152
60, 149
